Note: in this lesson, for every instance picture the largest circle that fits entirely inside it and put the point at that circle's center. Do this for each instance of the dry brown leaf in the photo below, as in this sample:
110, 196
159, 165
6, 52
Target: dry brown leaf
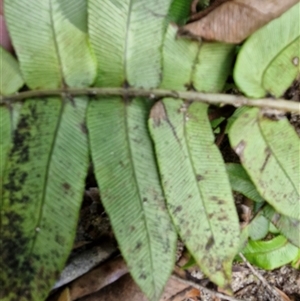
98, 278
283, 296
65, 295
234, 20
123, 289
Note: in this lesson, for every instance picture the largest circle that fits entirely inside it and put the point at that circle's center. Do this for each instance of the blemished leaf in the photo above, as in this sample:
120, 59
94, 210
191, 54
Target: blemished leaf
289, 227
126, 171
127, 37
11, 78
50, 38
233, 21
268, 62
273, 166
241, 182
42, 189
198, 195
270, 254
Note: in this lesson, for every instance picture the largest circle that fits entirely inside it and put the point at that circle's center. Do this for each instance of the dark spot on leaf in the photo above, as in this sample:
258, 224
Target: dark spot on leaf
210, 215
177, 209
199, 178
66, 186
132, 228
83, 128
138, 246
268, 154
214, 198
221, 202
143, 276
210, 243
60, 239
145, 200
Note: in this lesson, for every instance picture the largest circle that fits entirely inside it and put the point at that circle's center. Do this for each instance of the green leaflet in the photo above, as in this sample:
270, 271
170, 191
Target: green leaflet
126, 36
42, 190
270, 254
11, 79
126, 171
287, 226
179, 11
273, 166
198, 193
259, 227
5, 143
50, 38
240, 182
269, 60
186, 63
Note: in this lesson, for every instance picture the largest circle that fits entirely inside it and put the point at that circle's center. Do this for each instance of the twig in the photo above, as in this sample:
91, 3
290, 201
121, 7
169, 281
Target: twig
235, 100
261, 278
202, 288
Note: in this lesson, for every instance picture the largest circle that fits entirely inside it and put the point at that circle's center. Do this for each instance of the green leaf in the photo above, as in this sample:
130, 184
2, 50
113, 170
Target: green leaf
186, 63
50, 38
268, 62
214, 64
42, 192
196, 186
258, 228
272, 165
127, 36
126, 171
240, 182
287, 226
270, 254
11, 79
5, 143
179, 11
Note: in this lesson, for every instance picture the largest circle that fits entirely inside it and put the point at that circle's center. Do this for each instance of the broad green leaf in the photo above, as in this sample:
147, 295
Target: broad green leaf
127, 36
273, 165
268, 62
179, 11
196, 186
258, 228
11, 79
179, 58
50, 38
214, 63
42, 191
270, 254
289, 227
186, 63
130, 189
240, 182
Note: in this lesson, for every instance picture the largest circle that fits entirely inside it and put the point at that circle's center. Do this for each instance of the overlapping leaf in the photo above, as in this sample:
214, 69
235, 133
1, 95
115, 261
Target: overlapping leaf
50, 38
270, 254
240, 182
186, 63
273, 166
198, 194
269, 60
287, 226
126, 171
